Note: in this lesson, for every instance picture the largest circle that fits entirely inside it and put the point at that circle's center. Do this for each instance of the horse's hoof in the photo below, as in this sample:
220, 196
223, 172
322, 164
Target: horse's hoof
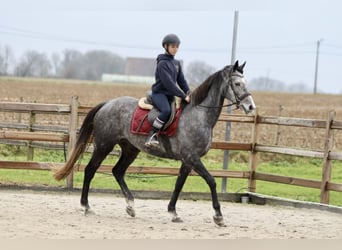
176, 219
88, 211
219, 221
130, 210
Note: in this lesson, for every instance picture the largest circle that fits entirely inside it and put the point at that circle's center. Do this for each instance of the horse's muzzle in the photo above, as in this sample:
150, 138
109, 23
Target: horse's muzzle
247, 104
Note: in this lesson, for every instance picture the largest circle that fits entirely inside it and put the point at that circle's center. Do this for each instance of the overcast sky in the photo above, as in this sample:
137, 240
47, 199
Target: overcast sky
277, 38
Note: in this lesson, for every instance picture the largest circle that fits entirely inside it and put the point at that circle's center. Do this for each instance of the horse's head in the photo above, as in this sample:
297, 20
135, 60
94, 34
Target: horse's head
236, 89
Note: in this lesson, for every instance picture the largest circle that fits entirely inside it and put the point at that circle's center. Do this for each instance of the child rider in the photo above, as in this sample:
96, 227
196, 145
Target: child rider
170, 82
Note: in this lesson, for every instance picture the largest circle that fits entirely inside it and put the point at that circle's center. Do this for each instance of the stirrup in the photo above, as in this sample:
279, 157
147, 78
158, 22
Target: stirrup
152, 141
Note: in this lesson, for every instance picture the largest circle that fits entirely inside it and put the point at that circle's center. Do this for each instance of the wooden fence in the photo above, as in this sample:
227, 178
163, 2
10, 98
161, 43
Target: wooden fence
13, 131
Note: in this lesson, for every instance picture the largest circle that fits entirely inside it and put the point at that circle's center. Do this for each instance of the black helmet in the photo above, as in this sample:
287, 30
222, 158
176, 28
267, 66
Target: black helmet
171, 39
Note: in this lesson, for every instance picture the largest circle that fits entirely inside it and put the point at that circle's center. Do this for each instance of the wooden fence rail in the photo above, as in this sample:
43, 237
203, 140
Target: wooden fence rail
52, 133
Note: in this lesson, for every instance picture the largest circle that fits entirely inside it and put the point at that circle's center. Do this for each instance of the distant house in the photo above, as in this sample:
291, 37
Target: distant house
137, 70
139, 66
127, 79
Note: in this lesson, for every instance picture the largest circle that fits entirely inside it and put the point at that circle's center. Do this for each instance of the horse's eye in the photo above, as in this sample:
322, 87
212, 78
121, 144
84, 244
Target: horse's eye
237, 84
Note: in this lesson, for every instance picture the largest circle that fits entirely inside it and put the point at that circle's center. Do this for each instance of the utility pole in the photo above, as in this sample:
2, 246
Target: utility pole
236, 20
228, 125
316, 66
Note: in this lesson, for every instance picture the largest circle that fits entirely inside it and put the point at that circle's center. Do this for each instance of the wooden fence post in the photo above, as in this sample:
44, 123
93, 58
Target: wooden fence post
277, 130
72, 135
19, 119
30, 150
253, 155
326, 171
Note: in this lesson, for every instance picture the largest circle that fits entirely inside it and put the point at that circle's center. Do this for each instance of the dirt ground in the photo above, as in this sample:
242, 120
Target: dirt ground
58, 215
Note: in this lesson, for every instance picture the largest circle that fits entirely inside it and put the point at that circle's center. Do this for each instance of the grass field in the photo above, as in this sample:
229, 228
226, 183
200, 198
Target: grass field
91, 93
285, 165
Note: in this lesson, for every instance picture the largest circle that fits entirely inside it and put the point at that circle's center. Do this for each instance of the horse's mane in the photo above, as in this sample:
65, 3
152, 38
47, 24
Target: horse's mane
201, 92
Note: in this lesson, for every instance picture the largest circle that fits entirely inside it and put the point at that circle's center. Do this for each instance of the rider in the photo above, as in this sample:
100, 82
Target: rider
170, 82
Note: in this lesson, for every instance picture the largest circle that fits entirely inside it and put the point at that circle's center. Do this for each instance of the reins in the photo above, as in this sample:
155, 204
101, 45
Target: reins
221, 106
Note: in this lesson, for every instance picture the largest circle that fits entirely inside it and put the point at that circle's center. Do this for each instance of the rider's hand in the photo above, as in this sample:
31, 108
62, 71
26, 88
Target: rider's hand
187, 99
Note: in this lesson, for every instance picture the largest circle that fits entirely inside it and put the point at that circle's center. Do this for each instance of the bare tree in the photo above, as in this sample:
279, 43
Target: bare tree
97, 62
43, 66
34, 63
56, 64
198, 71
266, 84
88, 66
299, 88
6, 57
273, 85
72, 65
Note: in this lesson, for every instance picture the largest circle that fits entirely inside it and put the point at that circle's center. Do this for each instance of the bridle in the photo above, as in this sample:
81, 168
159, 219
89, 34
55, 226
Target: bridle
238, 98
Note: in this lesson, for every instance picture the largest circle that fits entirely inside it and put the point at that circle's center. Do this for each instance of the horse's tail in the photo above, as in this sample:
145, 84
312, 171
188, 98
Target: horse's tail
86, 131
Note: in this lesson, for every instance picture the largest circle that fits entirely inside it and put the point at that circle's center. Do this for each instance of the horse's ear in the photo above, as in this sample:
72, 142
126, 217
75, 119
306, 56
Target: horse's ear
236, 65
242, 66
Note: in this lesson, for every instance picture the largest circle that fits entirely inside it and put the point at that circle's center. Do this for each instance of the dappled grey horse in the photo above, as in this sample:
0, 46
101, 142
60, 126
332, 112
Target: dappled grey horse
109, 123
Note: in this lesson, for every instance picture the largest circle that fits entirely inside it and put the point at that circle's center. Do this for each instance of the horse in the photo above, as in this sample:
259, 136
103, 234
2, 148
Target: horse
109, 124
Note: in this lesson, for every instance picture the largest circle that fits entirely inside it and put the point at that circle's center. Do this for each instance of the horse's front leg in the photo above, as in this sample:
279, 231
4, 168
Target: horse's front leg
182, 176
203, 172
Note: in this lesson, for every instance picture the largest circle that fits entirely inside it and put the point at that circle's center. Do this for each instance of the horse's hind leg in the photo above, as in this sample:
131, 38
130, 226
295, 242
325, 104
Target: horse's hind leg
183, 174
128, 155
98, 156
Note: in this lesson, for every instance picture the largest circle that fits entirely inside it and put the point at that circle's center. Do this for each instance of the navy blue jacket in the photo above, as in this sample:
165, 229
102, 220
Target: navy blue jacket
169, 76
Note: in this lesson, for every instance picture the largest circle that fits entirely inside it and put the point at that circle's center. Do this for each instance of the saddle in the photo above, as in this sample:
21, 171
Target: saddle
145, 113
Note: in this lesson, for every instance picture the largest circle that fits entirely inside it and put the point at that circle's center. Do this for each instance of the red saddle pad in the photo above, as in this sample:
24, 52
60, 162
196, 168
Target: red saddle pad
141, 126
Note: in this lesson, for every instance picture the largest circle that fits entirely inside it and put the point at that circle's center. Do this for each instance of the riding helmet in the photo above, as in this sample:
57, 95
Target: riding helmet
171, 39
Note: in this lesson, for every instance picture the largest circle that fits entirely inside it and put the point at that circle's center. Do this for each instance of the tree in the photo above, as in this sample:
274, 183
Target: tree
56, 64
97, 62
88, 66
299, 88
266, 84
72, 65
198, 71
273, 85
35, 64
6, 57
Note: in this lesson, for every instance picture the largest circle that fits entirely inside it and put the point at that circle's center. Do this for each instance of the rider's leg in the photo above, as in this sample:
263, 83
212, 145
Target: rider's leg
162, 103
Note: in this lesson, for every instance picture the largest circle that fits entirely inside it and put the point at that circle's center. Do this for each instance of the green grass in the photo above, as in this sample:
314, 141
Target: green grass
306, 168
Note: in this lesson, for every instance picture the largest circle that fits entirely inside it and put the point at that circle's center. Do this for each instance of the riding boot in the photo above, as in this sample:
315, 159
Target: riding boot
152, 140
